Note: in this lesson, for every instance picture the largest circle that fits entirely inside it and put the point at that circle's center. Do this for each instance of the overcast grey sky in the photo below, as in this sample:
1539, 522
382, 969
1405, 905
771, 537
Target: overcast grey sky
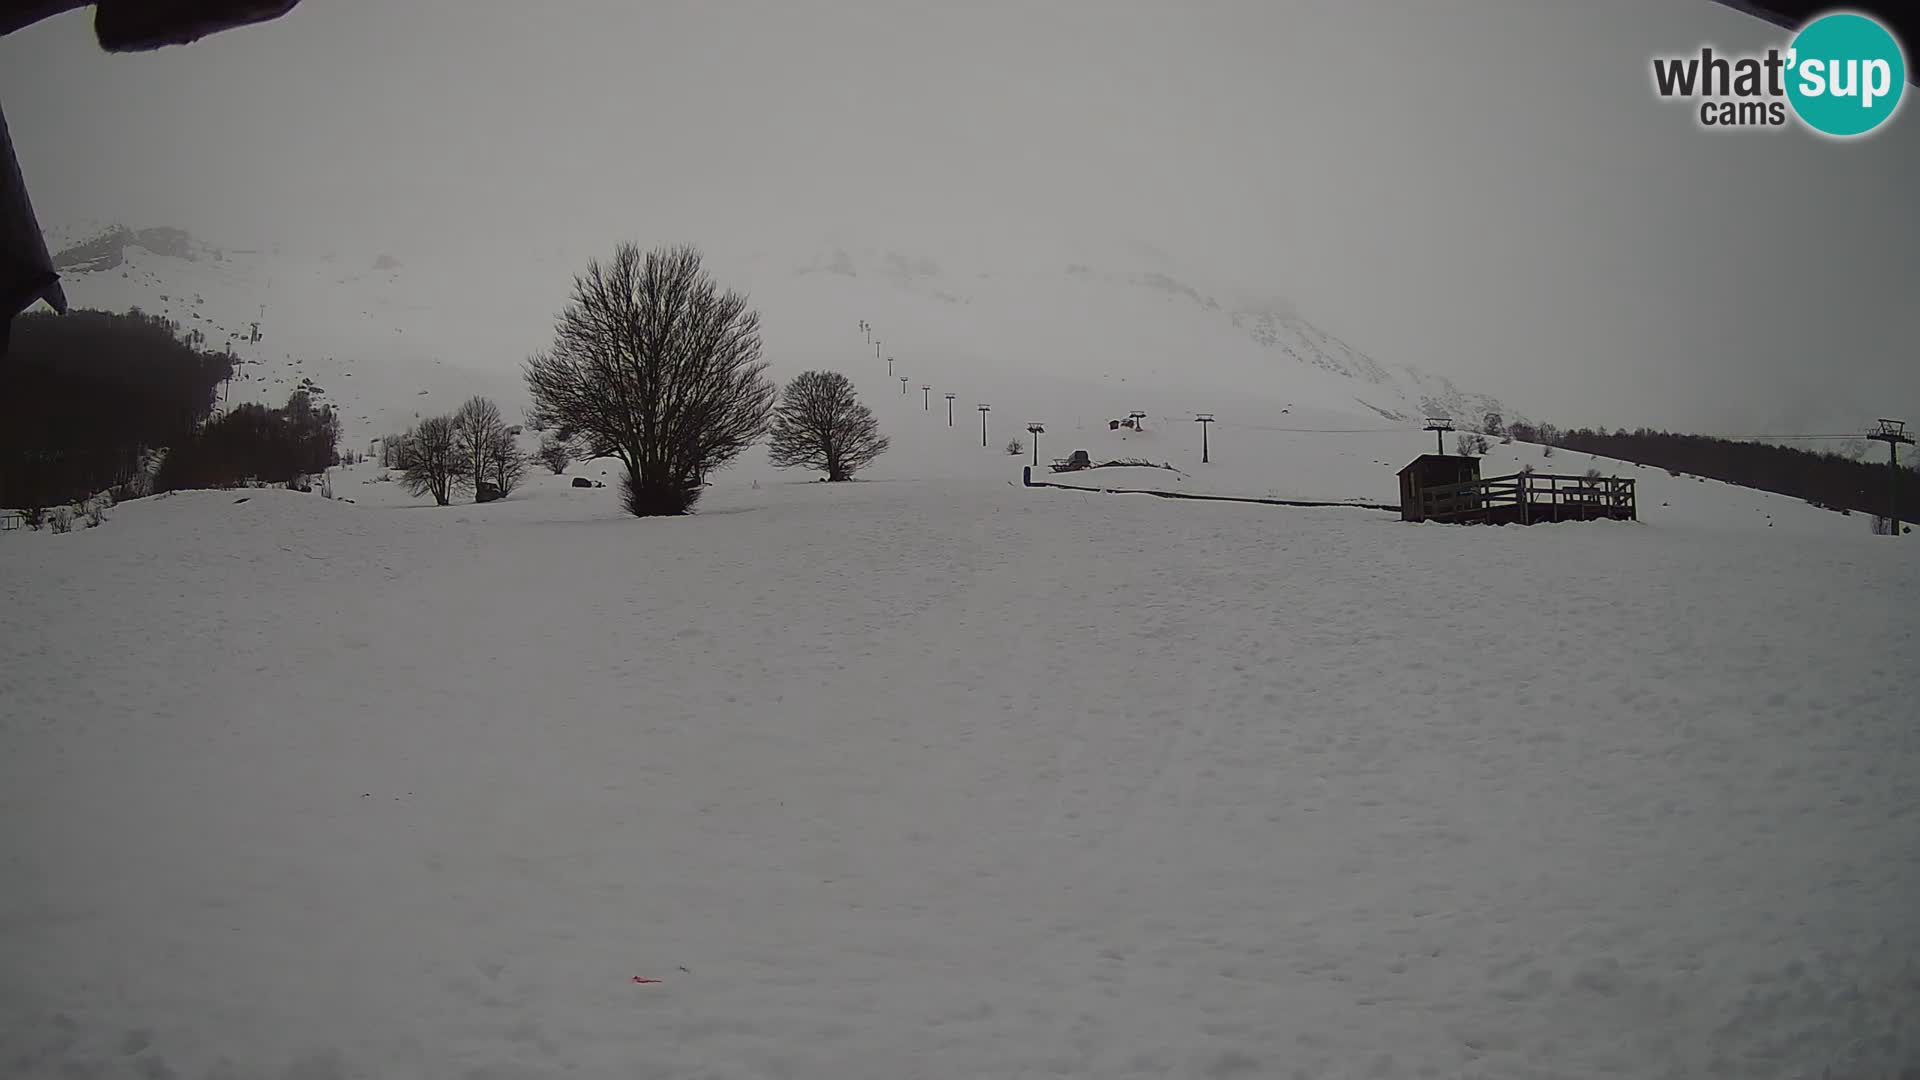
1486, 189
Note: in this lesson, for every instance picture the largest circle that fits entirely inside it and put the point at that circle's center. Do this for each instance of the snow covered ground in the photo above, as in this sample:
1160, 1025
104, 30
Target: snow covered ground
933, 774
939, 776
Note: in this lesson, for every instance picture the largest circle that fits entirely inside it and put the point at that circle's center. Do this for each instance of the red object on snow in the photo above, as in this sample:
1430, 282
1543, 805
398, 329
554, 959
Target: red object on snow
638, 979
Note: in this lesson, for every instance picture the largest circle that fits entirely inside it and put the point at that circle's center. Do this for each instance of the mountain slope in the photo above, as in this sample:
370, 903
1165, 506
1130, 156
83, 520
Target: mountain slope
388, 338
389, 320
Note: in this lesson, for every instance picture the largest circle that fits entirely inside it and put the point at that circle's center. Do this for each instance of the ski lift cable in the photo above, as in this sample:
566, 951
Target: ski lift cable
1405, 431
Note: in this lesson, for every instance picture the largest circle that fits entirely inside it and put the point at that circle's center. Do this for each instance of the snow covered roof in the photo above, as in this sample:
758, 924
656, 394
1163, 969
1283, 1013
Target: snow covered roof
1424, 461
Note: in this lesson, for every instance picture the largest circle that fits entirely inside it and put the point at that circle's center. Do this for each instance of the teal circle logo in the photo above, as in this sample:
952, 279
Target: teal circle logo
1845, 74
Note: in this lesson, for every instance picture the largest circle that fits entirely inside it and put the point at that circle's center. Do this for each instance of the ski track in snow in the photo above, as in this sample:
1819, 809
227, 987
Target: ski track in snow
950, 779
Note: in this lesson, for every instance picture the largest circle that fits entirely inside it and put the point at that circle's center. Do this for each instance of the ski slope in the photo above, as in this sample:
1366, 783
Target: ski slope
949, 778
386, 336
388, 339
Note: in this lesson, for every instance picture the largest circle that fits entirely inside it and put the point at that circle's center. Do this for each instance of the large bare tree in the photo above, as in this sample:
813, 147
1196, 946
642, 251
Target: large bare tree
431, 456
479, 438
653, 364
821, 425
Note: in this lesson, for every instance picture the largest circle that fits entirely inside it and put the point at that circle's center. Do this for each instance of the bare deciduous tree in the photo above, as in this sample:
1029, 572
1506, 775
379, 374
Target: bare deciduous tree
506, 465
653, 364
821, 425
393, 450
554, 454
477, 433
431, 457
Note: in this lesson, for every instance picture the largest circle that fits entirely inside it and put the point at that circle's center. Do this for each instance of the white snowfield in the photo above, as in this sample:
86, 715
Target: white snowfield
947, 777
936, 775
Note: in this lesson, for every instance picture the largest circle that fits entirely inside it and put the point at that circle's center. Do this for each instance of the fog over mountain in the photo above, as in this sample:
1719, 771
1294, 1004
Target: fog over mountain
1490, 193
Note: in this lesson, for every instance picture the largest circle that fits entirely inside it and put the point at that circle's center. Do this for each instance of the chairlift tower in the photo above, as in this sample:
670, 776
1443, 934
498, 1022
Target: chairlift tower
1205, 420
1893, 433
1439, 425
903, 386
926, 398
1036, 430
950, 398
984, 410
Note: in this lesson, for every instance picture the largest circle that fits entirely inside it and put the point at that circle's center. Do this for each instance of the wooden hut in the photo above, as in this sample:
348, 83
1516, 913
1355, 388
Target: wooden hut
1445, 487
1432, 471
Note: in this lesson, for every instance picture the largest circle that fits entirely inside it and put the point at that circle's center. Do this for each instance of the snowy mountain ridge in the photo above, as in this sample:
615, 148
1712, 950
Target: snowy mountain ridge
107, 249
356, 323
1400, 392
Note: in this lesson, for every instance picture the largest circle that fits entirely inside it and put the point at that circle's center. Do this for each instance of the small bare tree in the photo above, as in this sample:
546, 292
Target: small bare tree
506, 465
1015, 447
393, 450
478, 433
653, 364
821, 425
554, 454
430, 455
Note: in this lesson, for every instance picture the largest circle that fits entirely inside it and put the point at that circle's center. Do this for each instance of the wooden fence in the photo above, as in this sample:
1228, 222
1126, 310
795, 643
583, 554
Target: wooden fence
1029, 481
1528, 499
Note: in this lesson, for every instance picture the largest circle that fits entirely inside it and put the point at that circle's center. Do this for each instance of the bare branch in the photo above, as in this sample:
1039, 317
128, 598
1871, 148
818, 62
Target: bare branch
653, 364
431, 457
820, 425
